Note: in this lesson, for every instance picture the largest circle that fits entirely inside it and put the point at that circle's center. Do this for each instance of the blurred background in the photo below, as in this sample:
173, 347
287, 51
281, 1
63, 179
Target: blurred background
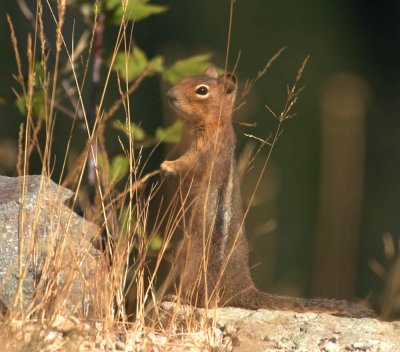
332, 188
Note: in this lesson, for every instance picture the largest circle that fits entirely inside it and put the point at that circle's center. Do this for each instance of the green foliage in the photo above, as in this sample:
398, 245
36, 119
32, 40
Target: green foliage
133, 65
37, 104
119, 168
136, 62
171, 134
138, 134
38, 101
135, 10
156, 242
191, 66
117, 10
85, 7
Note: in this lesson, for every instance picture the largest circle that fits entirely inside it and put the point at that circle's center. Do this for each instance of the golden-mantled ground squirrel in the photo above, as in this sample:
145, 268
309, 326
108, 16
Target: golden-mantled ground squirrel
213, 264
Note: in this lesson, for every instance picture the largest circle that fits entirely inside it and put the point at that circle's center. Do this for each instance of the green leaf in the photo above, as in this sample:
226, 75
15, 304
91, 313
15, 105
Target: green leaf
123, 222
100, 161
156, 242
157, 64
135, 10
37, 104
21, 105
133, 65
192, 66
39, 72
138, 133
119, 167
171, 134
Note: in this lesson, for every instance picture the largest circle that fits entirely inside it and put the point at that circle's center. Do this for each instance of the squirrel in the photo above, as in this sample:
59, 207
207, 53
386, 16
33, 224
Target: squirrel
213, 262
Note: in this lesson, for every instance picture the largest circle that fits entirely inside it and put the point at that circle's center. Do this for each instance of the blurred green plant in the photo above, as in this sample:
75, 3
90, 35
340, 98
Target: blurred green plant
118, 10
37, 98
132, 66
88, 59
191, 66
132, 10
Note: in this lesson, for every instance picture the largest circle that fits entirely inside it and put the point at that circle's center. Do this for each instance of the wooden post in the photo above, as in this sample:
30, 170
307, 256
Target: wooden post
343, 108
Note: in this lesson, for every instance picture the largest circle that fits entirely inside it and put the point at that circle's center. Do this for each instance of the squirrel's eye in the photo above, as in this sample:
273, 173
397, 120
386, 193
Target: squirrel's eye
202, 91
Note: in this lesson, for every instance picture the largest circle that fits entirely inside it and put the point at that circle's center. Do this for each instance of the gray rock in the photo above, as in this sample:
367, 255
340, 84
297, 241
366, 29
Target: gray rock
264, 330
57, 256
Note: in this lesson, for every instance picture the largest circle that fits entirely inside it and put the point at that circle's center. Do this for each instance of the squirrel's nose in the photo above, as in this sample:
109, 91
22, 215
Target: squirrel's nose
171, 97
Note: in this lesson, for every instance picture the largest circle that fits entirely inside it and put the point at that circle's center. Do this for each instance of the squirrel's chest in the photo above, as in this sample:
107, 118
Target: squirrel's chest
211, 199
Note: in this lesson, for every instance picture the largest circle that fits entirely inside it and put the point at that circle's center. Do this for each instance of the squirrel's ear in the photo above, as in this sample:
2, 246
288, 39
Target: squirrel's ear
230, 83
211, 72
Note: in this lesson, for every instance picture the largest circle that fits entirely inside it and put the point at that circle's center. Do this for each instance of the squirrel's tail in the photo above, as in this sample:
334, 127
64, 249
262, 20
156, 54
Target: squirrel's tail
255, 299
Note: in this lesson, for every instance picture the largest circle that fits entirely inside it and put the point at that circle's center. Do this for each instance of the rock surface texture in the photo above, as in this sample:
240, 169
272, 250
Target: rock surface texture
48, 243
263, 330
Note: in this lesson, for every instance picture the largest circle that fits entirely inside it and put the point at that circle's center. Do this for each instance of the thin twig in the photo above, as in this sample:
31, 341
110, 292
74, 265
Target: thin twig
64, 82
117, 104
250, 83
96, 80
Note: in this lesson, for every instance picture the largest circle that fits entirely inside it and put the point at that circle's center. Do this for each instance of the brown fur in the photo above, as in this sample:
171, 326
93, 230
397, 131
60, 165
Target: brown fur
214, 261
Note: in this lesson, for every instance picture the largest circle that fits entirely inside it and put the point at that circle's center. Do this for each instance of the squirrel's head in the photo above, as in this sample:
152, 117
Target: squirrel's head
204, 98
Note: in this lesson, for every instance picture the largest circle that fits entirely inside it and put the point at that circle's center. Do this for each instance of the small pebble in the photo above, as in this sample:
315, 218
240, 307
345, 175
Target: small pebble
120, 346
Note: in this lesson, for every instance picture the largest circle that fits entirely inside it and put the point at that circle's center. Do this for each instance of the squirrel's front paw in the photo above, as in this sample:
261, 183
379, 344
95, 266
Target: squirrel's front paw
168, 167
